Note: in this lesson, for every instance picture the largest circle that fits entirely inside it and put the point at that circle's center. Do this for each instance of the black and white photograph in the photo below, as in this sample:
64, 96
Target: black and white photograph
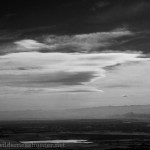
75, 74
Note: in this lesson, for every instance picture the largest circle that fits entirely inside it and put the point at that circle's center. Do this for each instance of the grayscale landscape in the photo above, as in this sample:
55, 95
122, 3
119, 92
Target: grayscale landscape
75, 74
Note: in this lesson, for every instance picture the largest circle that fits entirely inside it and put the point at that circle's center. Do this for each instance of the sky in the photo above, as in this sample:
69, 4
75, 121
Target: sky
74, 54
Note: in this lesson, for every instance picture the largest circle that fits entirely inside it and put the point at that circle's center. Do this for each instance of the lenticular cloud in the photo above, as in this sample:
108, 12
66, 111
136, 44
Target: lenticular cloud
59, 71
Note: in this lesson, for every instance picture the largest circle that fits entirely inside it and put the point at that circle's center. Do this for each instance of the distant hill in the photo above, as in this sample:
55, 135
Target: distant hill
132, 115
83, 113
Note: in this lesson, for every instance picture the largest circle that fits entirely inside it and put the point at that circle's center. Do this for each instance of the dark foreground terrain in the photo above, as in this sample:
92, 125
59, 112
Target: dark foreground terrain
100, 134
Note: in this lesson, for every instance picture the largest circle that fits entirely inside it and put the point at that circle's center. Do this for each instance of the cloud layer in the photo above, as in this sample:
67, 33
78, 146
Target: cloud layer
59, 71
80, 43
60, 63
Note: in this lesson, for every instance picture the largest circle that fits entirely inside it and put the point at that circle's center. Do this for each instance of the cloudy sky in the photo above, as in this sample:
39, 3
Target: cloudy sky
74, 54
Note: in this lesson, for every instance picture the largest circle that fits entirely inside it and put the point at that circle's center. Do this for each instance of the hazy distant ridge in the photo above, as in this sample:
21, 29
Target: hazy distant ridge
83, 113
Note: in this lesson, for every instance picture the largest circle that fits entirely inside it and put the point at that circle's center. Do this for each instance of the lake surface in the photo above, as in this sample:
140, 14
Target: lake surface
56, 141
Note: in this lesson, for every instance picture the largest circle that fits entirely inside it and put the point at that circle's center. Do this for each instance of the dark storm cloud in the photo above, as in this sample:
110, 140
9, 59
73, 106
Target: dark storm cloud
139, 42
73, 16
82, 43
120, 39
122, 11
102, 4
35, 20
